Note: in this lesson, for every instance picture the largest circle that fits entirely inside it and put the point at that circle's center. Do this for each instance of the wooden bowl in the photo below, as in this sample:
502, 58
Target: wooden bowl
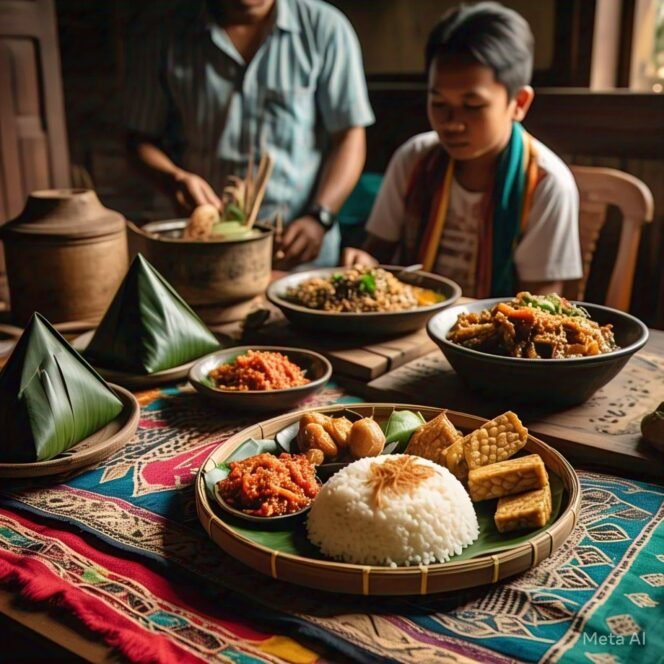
90, 450
324, 574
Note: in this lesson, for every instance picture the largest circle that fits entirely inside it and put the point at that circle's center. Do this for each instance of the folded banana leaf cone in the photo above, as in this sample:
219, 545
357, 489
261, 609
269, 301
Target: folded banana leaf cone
50, 397
148, 327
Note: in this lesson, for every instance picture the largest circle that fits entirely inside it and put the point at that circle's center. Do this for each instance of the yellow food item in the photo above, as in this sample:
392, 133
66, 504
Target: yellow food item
315, 437
366, 438
339, 428
199, 226
456, 461
507, 477
432, 439
495, 441
525, 510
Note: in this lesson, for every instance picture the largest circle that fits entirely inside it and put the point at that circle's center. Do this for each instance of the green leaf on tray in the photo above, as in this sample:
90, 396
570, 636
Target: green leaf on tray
399, 428
148, 327
50, 397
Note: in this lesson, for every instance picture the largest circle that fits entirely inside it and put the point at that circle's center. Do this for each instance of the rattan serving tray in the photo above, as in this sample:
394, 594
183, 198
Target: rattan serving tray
333, 576
89, 451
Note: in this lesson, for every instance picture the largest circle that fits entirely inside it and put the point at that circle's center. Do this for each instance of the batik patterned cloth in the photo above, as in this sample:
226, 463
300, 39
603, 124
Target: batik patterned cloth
598, 598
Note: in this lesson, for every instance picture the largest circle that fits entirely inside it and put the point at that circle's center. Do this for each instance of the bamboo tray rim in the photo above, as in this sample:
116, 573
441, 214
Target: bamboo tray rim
88, 453
419, 574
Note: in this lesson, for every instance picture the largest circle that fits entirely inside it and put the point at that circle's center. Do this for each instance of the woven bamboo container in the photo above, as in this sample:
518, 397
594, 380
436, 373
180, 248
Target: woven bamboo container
374, 580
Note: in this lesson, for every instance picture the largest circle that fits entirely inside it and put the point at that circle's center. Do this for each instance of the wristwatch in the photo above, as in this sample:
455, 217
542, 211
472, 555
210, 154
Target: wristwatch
324, 216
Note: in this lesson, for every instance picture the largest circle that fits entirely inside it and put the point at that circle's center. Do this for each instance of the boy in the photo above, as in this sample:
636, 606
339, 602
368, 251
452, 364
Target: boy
477, 199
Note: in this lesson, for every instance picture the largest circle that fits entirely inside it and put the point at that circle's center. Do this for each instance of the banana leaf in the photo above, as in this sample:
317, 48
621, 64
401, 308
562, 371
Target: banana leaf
50, 397
148, 327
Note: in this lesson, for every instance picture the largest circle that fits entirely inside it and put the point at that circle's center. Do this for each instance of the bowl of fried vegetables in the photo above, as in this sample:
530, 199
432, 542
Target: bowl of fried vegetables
538, 349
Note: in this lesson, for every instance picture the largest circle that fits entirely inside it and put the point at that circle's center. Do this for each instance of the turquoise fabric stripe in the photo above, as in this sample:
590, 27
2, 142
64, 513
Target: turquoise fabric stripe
507, 201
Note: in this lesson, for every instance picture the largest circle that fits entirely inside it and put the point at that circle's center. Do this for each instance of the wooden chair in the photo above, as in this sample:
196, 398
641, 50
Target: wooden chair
599, 188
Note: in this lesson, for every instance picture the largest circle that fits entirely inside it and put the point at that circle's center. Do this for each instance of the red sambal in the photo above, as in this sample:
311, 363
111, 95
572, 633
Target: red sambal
259, 370
267, 485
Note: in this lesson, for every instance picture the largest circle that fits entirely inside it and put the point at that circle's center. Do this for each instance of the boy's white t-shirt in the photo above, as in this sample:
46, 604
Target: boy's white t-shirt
549, 249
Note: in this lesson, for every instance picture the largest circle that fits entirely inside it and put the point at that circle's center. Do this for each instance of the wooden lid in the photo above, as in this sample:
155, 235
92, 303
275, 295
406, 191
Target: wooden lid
65, 214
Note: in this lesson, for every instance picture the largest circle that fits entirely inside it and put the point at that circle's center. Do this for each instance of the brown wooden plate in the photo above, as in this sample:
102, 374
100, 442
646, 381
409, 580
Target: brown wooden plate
135, 381
90, 450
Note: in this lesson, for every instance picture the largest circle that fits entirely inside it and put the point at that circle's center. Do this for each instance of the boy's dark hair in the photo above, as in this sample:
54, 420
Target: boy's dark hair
490, 34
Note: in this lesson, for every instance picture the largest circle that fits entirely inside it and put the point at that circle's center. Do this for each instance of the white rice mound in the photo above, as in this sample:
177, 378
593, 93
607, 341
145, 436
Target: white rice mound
433, 522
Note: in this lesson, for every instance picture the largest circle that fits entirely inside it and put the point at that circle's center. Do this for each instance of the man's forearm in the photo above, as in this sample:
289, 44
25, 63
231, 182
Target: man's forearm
342, 168
152, 161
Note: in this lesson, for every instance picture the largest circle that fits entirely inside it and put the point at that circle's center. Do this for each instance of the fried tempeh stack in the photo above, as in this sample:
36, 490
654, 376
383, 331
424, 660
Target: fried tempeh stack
494, 441
507, 477
432, 439
527, 510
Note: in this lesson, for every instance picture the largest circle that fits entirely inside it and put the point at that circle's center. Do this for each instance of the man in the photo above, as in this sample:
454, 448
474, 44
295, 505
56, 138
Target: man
243, 77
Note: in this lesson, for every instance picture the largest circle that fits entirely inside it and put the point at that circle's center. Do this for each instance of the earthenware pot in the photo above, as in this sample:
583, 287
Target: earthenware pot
216, 276
66, 255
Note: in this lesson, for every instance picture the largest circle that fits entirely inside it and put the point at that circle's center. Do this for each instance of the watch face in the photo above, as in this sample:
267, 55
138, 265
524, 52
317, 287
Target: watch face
324, 216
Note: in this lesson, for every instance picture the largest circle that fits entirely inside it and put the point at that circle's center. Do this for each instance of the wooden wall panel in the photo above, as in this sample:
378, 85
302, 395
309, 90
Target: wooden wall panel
33, 140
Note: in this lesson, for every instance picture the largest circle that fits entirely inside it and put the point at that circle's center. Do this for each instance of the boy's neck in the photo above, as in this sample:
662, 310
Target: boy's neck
476, 174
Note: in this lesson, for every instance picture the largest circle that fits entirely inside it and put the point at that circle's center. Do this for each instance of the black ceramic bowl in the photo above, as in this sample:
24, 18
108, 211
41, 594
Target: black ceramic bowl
556, 382
317, 369
365, 324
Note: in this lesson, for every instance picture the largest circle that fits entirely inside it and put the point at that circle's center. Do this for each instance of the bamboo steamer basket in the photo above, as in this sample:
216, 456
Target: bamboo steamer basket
377, 580
66, 255
218, 278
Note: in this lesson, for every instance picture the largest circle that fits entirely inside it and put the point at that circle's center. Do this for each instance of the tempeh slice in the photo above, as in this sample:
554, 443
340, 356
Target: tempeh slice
507, 477
432, 439
455, 460
525, 510
495, 441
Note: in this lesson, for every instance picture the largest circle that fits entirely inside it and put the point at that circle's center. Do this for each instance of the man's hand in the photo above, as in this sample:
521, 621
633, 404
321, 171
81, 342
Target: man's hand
191, 190
352, 256
301, 242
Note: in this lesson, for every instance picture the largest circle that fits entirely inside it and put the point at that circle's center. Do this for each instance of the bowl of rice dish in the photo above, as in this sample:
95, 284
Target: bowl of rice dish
392, 510
362, 301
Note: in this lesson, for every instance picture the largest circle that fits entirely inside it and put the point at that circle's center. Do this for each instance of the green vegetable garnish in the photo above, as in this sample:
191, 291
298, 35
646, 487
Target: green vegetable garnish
337, 278
367, 284
233, 212
553, 304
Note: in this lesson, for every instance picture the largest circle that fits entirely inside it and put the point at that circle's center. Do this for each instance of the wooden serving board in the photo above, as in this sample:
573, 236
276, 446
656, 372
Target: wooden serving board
604, 431
362, 360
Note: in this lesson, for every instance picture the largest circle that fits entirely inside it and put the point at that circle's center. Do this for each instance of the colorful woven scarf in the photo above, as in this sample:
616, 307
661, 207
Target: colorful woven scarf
505, 211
